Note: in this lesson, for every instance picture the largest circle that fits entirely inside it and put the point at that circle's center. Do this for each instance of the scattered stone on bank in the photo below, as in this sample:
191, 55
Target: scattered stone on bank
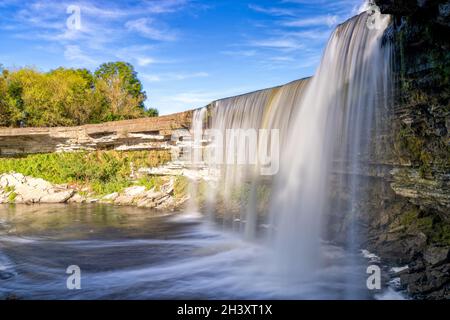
17, 188
180, 168
20, 189
110, 197
141, 197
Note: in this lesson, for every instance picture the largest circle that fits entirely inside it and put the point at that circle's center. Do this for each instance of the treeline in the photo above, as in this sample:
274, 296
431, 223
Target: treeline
70, 97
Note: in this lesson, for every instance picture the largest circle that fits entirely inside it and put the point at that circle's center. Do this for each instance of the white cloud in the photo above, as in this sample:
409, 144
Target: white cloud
74, 54
282, 59
102, 22
144, 61
239, 53
137, 54
183, 76
273, 11
146, 28
175, 76
151, 78
314, 34
193, 98
329, 20
363, 7
286, 44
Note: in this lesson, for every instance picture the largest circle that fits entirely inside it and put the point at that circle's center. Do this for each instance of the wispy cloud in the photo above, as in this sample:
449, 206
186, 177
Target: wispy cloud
285, 44
273, 10
138, 54
282, 59
102, 24
239, 53
74, 54
175, 76
147, 28
329, 21
151, 78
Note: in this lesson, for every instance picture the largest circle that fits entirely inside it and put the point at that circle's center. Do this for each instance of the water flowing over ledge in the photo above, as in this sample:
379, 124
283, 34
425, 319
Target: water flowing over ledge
324, 121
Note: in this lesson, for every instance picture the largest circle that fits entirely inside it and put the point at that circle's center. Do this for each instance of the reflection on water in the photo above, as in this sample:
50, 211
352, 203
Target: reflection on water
131, 253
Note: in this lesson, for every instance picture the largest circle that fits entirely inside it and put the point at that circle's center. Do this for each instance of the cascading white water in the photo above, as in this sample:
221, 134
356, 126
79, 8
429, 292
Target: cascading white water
265, 109
196, 155
326, 124
333, 121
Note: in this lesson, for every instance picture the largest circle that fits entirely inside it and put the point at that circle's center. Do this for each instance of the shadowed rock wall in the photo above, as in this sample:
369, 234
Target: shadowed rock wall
408, 217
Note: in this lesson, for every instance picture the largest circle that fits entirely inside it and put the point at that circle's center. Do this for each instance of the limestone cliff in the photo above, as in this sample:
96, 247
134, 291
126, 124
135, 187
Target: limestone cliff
139, 134
410, 218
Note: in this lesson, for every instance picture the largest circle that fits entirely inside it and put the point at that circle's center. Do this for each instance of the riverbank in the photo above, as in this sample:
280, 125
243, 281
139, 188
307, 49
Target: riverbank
104, 176
16, 188
165, 193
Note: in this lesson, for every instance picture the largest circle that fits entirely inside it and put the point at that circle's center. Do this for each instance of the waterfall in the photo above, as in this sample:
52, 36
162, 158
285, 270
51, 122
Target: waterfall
333, 122
265, 109
325, 126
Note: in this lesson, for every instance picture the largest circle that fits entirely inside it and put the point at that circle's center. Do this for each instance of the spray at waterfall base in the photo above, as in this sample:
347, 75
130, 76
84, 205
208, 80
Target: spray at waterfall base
290, 166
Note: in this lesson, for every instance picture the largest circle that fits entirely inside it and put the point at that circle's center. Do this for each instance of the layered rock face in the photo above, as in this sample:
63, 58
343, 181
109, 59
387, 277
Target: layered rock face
408, 220
139, 134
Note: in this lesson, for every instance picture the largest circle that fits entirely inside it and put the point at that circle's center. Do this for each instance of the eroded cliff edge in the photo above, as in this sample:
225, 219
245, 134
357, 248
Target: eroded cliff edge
409, 220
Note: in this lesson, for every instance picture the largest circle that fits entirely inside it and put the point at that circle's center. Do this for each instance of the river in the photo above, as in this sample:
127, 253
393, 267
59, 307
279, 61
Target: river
131, 253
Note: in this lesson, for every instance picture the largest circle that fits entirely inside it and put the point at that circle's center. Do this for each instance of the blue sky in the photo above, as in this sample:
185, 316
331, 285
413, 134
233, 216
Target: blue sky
186, 52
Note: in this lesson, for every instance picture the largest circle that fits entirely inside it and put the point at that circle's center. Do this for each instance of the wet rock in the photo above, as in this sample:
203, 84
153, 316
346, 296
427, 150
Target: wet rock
146, 203
168, 188
124, 200
139, 196
398, 7
401, 248
417, 265
77, 198
436, 255
427, 282
444, 293
111, 197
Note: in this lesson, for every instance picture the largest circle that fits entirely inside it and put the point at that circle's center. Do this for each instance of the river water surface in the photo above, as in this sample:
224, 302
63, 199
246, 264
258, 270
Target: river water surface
131, 253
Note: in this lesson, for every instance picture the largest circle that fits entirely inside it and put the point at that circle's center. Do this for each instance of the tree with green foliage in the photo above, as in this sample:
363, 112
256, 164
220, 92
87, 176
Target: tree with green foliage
118, 103
8, 113
124, 71
152, 112
68, 97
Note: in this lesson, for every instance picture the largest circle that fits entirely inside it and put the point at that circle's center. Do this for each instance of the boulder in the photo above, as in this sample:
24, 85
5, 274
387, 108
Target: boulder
77, 198
134, 191
111, 197
57, 197
436, 255
124, 200
30, 190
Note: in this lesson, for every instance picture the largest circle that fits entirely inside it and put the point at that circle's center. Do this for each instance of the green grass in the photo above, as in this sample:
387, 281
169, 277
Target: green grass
9, 189
102, 172
437, 231
181, 186
151, 182
12, 197
442, 234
